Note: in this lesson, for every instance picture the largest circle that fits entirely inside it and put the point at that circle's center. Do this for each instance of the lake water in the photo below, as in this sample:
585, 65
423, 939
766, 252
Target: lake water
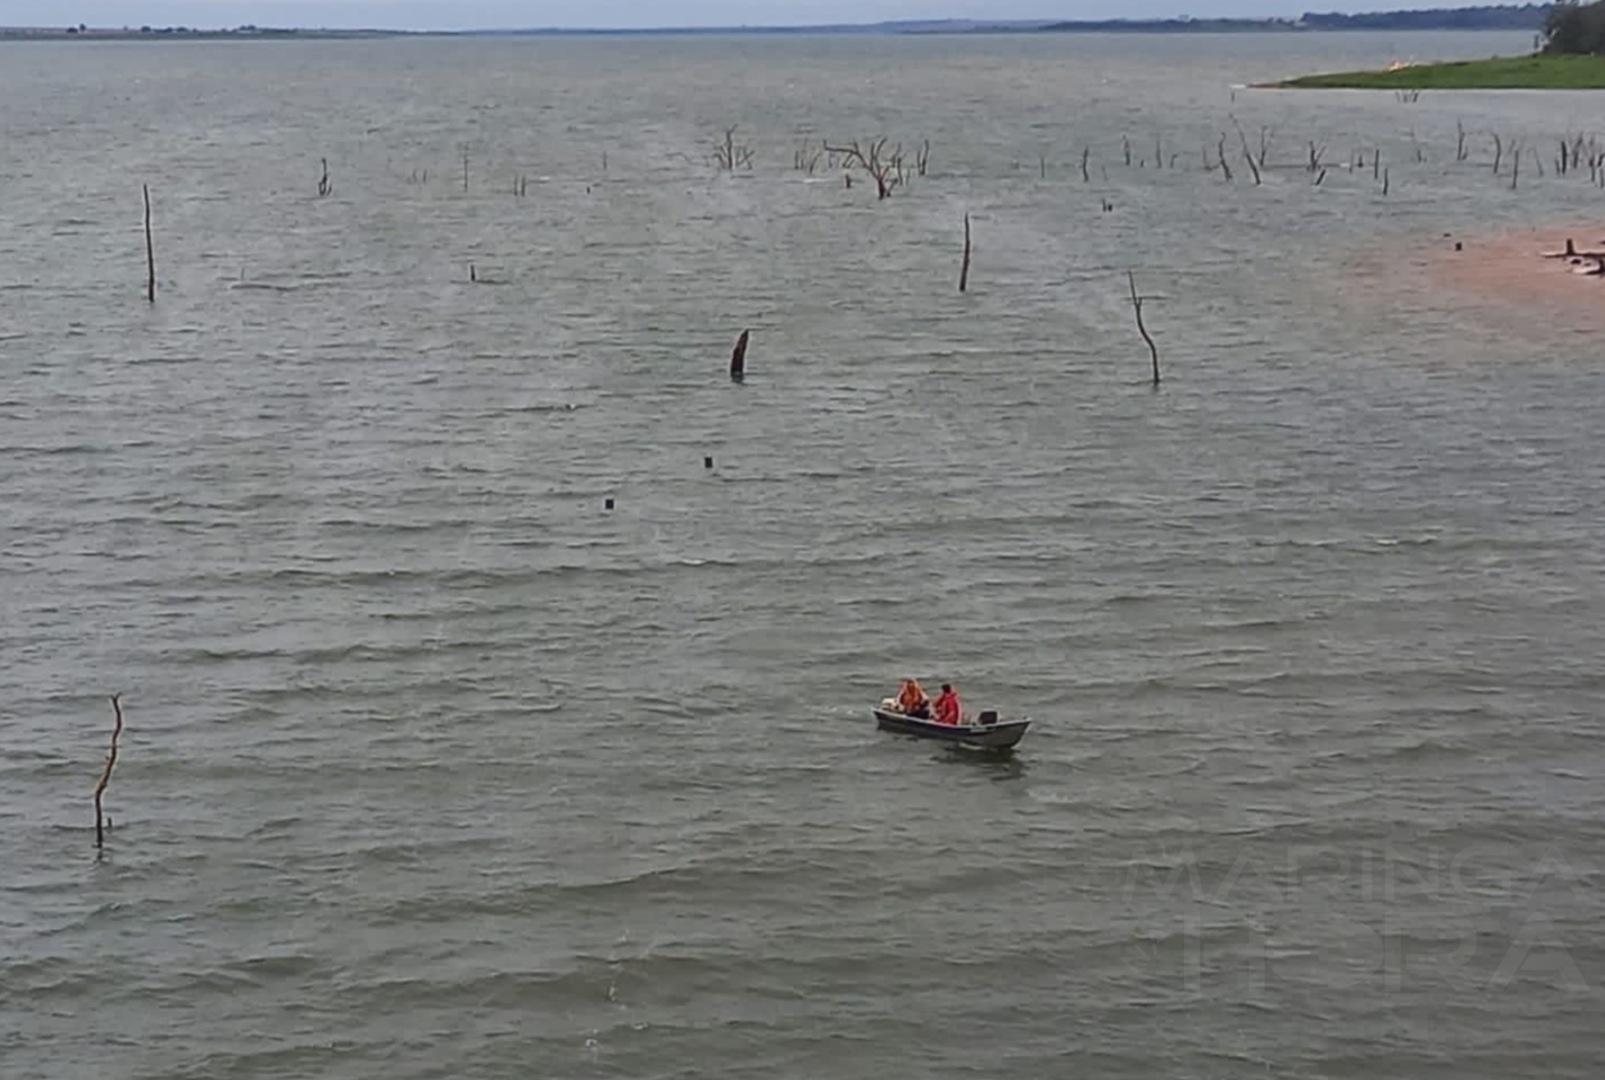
437, 768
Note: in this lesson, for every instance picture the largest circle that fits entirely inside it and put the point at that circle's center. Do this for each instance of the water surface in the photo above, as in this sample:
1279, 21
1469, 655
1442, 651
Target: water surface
437, 769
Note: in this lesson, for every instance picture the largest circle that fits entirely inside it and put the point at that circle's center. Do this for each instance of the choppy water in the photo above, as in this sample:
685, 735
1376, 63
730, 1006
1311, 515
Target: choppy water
436, 769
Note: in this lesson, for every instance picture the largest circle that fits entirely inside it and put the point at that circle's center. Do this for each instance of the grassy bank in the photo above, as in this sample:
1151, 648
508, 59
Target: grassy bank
1499, 73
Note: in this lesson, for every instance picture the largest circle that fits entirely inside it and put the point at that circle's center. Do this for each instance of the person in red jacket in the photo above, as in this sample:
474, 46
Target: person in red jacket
948, 709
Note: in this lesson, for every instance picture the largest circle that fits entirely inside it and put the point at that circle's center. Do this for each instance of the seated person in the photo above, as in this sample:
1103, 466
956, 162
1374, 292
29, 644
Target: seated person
911, 700
948, 709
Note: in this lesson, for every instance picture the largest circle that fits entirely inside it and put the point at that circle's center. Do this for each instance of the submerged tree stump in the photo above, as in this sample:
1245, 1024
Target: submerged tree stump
738, 357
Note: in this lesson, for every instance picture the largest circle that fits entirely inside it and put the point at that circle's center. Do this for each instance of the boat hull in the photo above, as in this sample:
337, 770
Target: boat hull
999, 736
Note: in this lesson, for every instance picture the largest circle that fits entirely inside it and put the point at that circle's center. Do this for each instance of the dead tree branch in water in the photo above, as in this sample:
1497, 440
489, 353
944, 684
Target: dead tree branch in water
1253, 165
922, 158
964, 270
150, 251
805, 158
1315, 156
1220, 150
870, 161
1460, 141
1499, 152
1086, 177
105, 776
728, 154
324, 187
1136, 307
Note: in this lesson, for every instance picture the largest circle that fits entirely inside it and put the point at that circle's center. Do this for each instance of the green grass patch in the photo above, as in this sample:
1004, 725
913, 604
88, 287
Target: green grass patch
1538, 72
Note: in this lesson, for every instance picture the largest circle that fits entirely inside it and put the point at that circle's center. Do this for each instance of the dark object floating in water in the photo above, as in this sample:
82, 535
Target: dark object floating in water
989, 733
608, 505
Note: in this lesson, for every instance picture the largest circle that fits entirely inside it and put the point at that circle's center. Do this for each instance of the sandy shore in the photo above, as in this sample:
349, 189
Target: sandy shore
1509, 271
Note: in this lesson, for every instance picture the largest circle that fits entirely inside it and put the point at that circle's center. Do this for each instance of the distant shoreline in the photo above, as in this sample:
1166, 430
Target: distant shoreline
45, 33
1504, 20
1538, 71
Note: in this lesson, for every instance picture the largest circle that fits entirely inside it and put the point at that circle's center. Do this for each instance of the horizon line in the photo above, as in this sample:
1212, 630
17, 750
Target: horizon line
960, 24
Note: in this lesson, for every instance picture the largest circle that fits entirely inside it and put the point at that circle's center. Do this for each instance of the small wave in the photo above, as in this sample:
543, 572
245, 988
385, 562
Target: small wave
543, 407
69, 448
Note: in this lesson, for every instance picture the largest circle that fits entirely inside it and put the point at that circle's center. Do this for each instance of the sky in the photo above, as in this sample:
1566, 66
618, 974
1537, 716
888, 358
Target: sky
492, 14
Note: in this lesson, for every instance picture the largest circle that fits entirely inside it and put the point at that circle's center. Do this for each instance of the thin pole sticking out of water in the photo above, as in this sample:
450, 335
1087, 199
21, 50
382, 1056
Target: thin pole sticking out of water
1136, 307
150, 251
964, 270
105, 776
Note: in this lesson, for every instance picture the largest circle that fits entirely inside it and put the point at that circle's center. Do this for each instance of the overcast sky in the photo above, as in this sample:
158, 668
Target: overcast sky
480, 14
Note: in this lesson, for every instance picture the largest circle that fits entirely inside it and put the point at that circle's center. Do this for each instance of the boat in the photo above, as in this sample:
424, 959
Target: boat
988, 733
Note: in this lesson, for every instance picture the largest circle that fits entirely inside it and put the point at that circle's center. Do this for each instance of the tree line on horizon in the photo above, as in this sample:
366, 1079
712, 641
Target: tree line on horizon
1497, 17
1573, 28
1529, 16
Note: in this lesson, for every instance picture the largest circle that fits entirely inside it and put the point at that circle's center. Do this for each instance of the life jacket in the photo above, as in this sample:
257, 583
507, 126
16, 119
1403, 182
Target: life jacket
948, 709
912, 697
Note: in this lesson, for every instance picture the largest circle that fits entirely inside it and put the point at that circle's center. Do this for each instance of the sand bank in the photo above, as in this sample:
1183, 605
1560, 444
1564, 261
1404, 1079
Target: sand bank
1511, 271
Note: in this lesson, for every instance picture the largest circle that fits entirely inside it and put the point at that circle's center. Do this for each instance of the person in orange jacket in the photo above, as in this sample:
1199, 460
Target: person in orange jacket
948, 708
911, 700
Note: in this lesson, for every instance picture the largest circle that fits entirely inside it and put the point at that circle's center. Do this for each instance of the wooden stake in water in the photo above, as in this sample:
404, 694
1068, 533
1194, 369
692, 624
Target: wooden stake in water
150, 252
964, 270
105, 777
